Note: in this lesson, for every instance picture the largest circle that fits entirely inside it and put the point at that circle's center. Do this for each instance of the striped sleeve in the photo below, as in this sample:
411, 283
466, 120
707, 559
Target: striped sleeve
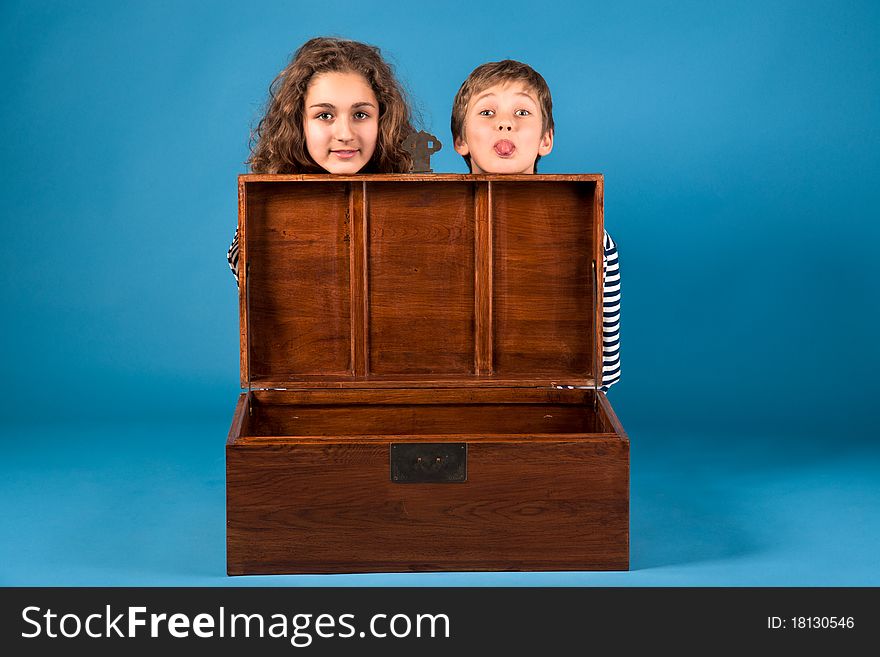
232, 256
610, 315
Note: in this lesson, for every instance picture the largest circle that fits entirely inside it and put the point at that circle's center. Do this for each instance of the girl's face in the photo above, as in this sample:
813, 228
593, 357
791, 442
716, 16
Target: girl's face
341, 121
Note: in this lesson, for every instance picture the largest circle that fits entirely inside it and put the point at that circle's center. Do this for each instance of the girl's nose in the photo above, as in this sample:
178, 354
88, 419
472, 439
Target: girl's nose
342, 130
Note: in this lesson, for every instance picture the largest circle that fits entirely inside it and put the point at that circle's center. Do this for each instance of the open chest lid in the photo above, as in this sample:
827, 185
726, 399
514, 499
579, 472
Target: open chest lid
420, 280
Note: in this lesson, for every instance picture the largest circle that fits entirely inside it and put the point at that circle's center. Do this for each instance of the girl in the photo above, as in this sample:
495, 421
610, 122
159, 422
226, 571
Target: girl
335, 108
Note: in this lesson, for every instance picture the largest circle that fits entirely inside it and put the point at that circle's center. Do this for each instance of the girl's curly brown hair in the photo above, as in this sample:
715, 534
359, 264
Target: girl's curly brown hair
278, 144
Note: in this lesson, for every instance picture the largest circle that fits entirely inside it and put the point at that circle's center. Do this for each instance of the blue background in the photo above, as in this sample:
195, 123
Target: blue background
739, 143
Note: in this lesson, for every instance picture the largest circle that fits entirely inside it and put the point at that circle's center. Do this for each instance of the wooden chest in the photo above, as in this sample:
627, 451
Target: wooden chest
420, 357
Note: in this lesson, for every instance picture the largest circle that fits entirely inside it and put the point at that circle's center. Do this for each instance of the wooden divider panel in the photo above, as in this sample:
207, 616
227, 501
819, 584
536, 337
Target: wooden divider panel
298, 279
421, 278
542, 284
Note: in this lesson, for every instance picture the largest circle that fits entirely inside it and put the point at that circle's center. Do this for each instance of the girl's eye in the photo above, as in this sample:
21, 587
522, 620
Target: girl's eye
325, 116
360, 116
523, 112
487, 112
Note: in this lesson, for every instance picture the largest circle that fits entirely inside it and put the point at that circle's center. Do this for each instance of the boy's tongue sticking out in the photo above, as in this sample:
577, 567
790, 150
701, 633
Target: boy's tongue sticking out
504, 148
500, 126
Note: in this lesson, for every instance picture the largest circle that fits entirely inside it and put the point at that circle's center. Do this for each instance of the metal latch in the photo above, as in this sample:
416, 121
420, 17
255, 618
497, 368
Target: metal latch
428, 463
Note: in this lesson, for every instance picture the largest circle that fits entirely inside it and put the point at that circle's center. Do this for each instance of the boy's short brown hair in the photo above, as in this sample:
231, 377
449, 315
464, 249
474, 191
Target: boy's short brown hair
492, 73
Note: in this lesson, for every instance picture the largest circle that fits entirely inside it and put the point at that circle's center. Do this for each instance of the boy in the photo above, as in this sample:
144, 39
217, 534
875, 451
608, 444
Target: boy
502, 122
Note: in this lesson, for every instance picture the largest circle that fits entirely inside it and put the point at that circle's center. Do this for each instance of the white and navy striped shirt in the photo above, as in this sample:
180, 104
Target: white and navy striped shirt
610, 307
610, 314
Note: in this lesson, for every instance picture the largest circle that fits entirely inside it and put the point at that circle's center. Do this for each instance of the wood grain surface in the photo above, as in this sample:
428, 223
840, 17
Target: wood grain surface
332, 507
387, 309
419, 278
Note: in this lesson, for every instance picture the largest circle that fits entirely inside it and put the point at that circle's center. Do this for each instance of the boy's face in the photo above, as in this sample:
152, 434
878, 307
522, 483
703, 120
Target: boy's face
502, 130
341, 121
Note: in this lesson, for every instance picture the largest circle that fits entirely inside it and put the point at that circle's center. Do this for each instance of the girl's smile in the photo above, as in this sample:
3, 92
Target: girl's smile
345, 154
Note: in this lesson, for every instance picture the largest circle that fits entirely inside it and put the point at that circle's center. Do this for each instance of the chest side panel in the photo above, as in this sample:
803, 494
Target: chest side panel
331, 507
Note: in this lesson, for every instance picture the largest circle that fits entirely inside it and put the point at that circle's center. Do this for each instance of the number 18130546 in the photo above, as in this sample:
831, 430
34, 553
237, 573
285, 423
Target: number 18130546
811, 623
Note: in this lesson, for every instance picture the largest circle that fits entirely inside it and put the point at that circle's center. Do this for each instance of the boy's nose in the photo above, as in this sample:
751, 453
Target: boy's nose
505, 124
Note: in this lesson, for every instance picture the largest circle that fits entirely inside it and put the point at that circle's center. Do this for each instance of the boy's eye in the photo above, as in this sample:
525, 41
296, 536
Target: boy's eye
360, 116
523, 112
487, 112
324, 116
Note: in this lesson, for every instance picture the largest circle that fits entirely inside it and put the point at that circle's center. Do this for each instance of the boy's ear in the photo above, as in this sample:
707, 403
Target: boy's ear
546, 144
461, 147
